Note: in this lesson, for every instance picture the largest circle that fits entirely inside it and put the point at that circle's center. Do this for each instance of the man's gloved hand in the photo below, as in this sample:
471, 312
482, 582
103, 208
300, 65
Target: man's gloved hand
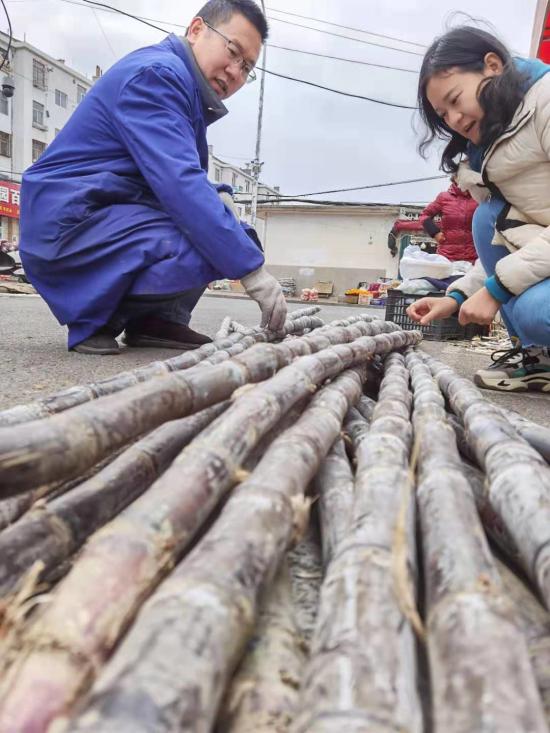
227, 200
266, 291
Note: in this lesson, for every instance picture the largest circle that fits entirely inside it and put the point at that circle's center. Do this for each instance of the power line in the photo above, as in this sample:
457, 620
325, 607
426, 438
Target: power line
5, 60
338, 91
121, 12
272, 73
153, 24
339, 58
298, 196
110, 9
340, 35
347, 27
107, 41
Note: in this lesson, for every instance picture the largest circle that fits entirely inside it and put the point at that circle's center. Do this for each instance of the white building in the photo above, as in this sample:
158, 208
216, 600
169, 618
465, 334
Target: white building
341, 244
240, 179
46, 92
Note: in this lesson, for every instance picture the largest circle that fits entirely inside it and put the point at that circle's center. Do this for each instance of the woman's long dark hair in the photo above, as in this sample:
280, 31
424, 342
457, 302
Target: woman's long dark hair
465, 48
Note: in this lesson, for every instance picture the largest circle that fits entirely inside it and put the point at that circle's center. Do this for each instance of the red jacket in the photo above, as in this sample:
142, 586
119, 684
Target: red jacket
456, 208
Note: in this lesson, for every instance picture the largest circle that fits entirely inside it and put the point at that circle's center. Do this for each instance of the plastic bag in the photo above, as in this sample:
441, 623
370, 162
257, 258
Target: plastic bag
416, 264
417, 287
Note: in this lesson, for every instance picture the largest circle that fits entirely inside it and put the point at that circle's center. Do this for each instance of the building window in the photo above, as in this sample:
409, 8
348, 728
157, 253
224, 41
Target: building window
217, 175
38, 148
5, 144
37, 114
80, 93
61, 99
247, 185
234, 179
38, 74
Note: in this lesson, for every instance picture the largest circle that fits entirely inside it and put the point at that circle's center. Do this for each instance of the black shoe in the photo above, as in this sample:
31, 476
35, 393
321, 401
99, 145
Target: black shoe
100, 344
153, 332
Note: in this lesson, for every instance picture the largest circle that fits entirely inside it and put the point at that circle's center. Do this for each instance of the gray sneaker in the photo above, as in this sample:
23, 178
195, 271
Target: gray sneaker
517, 370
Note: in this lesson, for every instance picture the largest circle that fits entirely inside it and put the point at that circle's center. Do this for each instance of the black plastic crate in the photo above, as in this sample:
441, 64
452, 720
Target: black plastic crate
443, 330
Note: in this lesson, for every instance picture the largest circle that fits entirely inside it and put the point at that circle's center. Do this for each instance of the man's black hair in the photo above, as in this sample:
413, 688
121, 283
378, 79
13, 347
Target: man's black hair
464, 48
216, 12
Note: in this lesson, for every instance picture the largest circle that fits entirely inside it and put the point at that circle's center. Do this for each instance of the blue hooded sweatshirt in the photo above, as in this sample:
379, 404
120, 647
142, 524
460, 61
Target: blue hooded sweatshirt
119, 204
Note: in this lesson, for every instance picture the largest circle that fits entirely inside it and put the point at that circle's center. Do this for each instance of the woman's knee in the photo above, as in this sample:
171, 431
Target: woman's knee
484, 222
531, 315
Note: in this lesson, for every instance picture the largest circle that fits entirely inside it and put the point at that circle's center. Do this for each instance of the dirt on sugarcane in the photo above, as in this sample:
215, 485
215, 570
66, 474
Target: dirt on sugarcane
306, 575
534, 620
481, 674
362, 671
518, 476
52, 532
179, 656
134, 552
263, 693
69, 443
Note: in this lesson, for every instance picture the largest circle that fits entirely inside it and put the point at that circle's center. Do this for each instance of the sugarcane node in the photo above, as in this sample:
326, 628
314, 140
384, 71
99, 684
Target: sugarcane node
242, 391
241, 475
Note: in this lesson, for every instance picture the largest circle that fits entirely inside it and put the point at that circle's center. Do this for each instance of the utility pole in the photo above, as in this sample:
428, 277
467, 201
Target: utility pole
256, 164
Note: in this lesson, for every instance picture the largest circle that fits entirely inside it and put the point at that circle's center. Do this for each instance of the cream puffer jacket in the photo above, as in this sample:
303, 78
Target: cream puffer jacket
518, 164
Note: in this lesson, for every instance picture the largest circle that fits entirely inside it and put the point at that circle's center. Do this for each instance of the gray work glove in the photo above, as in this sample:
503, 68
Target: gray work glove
266, 291
227, 200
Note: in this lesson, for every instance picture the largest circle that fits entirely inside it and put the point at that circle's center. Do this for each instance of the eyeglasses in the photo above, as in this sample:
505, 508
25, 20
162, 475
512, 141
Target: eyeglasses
235, 55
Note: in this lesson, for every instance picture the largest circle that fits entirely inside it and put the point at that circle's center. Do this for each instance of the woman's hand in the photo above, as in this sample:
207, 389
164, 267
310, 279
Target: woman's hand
480, 308
439, 237
426, 310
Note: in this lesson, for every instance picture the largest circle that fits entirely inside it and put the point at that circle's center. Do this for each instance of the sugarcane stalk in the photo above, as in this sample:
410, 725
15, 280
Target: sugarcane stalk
366, 407
517, 475
481, 674
308, 310
461, 439
534, 620
263, 693
204, 612
130, 555
537, 436
492, 523
334, 485
355, 426
362, 672
81, 394
57, 529
68, 443
306, 573
13, 508
224, 329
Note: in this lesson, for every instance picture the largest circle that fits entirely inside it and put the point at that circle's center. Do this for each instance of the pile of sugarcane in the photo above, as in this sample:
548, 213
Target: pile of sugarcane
321, 529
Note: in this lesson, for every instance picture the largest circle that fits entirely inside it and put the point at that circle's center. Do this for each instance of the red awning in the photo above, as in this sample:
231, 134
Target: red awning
541, 33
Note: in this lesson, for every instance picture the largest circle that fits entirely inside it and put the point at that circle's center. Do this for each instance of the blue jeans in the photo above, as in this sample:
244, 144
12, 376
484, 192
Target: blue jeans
175, 310
527, 316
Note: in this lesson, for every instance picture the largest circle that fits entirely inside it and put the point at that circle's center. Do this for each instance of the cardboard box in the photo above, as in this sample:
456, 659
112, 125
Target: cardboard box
236, 286
324, 288
353, 299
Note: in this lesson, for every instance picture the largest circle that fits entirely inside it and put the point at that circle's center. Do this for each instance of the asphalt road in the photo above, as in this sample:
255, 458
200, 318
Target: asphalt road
35, 362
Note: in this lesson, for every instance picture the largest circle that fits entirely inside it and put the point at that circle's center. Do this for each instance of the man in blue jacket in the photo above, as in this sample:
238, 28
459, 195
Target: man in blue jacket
120, 227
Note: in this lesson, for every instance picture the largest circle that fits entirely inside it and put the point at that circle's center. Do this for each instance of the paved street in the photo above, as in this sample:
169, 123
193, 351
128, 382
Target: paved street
35, 360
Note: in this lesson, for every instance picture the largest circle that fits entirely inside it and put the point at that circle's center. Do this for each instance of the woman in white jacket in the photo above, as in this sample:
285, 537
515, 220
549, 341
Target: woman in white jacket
495, 113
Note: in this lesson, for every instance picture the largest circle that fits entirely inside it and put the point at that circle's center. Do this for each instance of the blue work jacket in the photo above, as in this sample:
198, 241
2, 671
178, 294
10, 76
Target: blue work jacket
119, 204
